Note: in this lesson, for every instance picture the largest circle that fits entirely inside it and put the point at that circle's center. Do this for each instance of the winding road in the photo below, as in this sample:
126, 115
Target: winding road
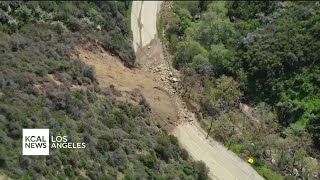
222, 163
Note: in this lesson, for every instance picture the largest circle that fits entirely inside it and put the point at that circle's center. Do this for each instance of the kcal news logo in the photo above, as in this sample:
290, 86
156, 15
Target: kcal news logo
37, 142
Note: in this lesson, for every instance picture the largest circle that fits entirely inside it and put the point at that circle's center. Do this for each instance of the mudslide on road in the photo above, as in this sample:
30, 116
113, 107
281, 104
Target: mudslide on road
132, 84
222, 163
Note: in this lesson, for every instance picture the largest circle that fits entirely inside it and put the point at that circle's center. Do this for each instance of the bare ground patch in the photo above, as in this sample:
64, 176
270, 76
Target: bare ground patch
134, 84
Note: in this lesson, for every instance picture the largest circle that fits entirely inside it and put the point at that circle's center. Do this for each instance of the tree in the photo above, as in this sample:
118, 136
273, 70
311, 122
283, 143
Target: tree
220, 95
185, 20
209, 131
188, 81
186, 51
215, 27
221, 58
191, 6
314, 126
201, 171
249, 10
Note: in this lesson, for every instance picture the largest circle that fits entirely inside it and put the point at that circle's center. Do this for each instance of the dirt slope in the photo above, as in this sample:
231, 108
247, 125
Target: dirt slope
131, 82
157, 81
222, 163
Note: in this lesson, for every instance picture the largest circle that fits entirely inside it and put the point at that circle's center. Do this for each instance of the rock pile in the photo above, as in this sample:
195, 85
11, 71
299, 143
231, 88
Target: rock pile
169, 79
171, 82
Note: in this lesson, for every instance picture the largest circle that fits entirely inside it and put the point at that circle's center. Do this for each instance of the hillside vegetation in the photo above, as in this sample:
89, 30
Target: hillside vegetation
43, 86
265, 54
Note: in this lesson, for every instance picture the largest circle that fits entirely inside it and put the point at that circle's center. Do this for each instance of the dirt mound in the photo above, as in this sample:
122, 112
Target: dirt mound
134, 84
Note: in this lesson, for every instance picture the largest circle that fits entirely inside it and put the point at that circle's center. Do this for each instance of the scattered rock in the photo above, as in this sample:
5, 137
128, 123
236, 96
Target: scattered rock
295, 172
175, 79
99, 27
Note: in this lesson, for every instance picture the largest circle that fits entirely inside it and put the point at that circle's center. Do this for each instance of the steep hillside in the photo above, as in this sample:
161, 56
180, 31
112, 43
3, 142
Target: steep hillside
44, 85
261, 54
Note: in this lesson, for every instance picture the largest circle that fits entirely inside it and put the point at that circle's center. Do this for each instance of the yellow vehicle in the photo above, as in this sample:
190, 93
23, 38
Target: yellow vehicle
250, 160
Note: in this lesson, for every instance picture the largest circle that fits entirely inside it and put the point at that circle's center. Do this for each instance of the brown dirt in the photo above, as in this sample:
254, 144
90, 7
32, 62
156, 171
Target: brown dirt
110, 71
4, 177
158, 82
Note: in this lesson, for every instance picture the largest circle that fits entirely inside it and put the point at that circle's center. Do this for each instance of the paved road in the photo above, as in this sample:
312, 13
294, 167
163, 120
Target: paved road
144, 22
223, 164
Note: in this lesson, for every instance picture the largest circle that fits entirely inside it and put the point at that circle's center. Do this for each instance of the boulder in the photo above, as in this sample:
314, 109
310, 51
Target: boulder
99, 27
295, 172
175, 79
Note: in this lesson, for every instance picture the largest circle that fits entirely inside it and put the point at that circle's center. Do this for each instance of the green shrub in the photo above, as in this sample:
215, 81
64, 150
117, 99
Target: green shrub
237, 148
268, 173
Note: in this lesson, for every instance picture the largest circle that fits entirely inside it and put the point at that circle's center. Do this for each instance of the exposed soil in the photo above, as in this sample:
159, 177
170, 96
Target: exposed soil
154, 79
132, 83
223, 164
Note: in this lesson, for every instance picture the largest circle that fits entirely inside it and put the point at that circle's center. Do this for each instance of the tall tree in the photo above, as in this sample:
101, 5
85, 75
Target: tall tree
220, 96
